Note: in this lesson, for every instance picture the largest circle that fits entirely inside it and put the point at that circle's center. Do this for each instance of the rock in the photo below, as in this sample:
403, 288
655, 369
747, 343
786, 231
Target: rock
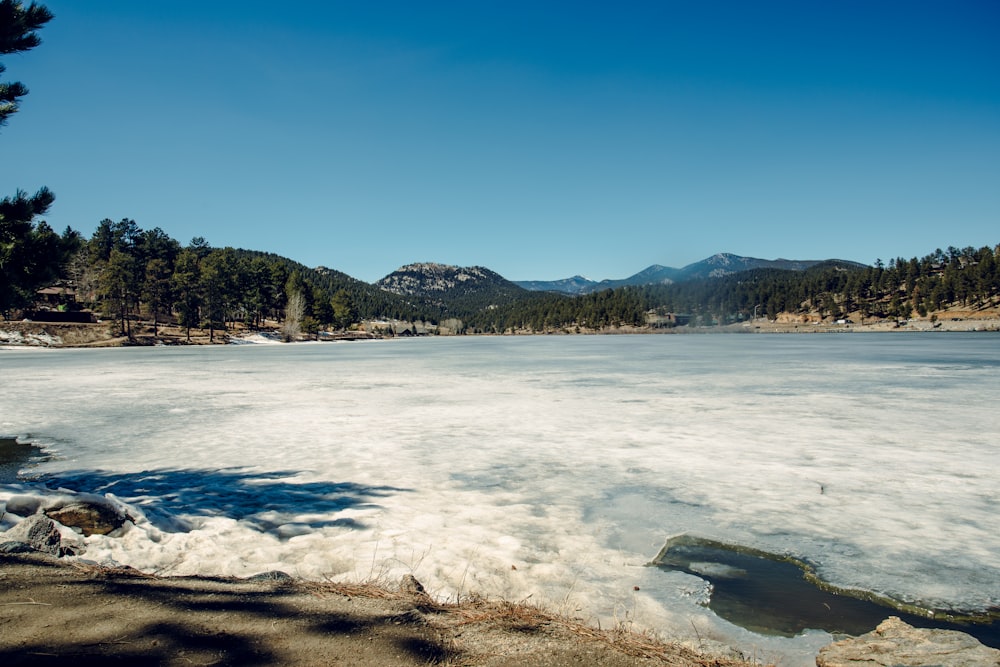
16, 548
410, 586
72, 549
898, 644
90, 518
39, 532
23, 505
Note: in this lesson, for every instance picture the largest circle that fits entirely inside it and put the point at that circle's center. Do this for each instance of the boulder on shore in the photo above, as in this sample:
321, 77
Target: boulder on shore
898, 644
23, 505
37, 531
91, 518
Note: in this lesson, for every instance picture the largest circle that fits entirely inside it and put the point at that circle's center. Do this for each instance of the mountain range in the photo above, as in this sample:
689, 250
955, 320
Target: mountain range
716, 266
439, 281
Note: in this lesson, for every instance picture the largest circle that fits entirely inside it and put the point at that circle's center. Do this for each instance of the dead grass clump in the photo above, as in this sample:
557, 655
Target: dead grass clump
531, 619
351, 590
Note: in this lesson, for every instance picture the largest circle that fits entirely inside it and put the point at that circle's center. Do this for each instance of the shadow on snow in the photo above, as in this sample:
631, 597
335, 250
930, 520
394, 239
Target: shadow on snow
267, 500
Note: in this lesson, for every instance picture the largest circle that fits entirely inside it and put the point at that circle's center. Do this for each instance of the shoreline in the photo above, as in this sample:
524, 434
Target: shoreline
34, 335
52, 610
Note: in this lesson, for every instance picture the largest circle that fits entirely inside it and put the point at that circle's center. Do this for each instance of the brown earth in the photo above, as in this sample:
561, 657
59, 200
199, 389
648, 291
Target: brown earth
103, 334
53, 613
986, 318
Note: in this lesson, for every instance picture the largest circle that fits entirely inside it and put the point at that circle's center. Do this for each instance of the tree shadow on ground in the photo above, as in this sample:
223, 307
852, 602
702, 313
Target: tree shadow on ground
267, 500
121, 618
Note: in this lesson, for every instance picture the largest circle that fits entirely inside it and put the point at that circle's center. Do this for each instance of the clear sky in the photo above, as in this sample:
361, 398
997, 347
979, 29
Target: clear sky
539, 139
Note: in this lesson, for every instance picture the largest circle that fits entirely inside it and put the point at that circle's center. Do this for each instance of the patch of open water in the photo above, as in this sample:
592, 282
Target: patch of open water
775, 595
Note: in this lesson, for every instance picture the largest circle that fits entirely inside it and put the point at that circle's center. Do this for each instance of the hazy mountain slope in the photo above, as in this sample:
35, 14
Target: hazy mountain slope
716, 266
574, 285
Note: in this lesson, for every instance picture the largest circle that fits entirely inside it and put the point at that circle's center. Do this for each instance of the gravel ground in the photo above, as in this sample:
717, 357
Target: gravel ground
52, 612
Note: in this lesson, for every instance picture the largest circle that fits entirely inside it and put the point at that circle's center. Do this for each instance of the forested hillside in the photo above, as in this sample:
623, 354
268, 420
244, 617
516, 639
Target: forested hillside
126, 273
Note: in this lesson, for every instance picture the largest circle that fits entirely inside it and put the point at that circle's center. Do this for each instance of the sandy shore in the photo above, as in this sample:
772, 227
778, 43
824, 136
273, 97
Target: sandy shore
53, 612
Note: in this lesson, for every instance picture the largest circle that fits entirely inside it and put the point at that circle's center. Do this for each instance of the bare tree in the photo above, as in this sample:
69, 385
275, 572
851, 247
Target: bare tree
295, 310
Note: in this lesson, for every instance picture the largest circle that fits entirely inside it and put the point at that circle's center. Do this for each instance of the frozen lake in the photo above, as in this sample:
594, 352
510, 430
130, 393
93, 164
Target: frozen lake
542, 468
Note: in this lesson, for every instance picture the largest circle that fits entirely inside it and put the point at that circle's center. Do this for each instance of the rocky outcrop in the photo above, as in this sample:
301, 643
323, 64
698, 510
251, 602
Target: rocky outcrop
897, 644
457, 288
427, 278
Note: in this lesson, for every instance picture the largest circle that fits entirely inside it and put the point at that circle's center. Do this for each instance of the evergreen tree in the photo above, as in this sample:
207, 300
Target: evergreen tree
18, 26
217, 288
186, 284
344, 313
29, 255
117, 288
157, 290
322, 307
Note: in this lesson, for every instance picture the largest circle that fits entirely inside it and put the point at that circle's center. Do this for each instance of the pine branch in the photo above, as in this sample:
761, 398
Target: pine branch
18, 25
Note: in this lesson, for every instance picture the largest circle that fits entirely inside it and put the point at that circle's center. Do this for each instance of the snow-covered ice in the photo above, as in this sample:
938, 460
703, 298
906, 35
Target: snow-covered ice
545, 468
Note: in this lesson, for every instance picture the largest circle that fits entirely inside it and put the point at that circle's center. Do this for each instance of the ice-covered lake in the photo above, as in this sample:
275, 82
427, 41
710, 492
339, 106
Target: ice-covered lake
543, 468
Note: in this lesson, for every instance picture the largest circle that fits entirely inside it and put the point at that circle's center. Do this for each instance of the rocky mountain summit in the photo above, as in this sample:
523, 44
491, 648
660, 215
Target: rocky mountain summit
429, 279
455, 290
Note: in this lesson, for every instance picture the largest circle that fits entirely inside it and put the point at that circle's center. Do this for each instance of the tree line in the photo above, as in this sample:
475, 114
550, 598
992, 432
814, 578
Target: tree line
967, 277
126, 272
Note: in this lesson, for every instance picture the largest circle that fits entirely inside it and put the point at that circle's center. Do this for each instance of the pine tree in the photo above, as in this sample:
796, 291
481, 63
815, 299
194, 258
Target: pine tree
17, 34
187, 288
28, 256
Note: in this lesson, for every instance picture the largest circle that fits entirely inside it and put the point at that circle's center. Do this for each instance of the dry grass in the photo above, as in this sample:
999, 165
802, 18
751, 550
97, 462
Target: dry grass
524, 618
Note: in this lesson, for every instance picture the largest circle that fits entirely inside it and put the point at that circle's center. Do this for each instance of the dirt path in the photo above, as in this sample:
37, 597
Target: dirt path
54, 613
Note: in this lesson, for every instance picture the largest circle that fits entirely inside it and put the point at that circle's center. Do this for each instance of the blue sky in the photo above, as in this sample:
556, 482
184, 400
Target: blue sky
539, 139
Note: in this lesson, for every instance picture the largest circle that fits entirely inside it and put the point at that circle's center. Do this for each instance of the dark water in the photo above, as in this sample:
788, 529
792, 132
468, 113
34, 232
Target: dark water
771, 596
14, 456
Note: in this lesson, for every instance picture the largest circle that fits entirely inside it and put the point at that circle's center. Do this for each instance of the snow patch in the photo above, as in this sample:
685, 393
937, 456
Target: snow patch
16, 338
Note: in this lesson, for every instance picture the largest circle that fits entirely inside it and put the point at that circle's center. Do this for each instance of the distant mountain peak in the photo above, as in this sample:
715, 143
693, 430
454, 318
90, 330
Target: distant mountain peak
718, 265
575, 285
725, 258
